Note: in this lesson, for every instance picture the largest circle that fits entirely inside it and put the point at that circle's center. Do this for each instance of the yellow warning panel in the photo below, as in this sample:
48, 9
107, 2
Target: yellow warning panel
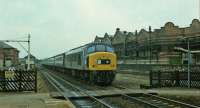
9, 74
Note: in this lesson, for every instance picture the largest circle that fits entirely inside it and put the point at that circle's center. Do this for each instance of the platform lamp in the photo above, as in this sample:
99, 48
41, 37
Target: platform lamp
186, 39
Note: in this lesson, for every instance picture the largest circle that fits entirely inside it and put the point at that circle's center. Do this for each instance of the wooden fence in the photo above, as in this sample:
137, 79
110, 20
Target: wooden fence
18, 80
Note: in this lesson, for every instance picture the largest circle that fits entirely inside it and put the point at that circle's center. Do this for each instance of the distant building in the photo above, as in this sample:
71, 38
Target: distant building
157, 46
9, 56
33, 61
32, 58
106, 39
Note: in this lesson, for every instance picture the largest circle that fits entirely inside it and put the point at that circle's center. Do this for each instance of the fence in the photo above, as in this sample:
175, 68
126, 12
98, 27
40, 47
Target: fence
174, 78
148, 67
18, 80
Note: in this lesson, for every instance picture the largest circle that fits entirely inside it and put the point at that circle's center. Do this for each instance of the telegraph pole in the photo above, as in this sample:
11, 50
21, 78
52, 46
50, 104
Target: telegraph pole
29, 36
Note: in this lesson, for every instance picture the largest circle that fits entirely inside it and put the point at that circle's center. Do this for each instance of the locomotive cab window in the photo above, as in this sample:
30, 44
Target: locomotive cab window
79, 59
100, 48
91, 49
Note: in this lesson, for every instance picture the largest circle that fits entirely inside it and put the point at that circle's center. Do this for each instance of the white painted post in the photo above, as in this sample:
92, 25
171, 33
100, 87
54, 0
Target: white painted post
28, 68
189, 61
199, 9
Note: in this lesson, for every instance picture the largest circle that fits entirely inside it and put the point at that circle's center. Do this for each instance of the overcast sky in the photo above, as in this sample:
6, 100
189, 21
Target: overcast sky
59, 25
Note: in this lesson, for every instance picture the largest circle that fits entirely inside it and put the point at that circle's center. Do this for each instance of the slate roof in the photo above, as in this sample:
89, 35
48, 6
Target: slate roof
4, 45
31, 56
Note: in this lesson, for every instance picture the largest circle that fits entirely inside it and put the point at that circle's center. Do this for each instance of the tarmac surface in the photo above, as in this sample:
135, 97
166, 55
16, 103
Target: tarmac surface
31, 100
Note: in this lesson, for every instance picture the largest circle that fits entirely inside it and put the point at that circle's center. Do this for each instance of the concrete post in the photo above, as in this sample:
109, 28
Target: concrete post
28, 67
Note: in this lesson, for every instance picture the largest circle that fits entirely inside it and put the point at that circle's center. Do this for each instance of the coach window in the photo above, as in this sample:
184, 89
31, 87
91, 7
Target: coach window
90, 49
100, 48
79, 59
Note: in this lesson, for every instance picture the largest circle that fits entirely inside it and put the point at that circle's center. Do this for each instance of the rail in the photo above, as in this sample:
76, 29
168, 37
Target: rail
141, 99
154, 101
60, 88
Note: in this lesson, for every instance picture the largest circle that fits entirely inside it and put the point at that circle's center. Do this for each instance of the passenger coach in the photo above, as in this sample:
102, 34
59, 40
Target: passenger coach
94, 62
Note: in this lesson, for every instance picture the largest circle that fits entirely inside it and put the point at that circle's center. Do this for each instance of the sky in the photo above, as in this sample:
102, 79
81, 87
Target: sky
59, 25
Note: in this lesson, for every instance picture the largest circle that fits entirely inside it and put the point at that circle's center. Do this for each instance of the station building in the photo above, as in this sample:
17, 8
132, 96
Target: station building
9, 56
158, 46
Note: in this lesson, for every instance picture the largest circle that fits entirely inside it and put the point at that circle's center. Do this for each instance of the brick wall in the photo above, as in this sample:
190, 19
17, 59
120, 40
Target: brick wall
150, 44
10, 54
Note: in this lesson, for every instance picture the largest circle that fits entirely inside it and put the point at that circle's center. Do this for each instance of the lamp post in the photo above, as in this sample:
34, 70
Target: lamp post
199, 9
150, 50
136, 34
125, 43
189, 61
125, 47
188, 58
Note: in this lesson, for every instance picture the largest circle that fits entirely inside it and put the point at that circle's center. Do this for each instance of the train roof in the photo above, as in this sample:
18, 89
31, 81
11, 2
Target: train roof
92, 43
78, 49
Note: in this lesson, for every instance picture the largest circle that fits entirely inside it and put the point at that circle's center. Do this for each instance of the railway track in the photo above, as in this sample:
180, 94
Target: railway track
91, 102
155, 101
87, 86
126, 100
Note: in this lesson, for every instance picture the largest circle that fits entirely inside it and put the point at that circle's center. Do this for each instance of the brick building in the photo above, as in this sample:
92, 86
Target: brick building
8, 55
157, 46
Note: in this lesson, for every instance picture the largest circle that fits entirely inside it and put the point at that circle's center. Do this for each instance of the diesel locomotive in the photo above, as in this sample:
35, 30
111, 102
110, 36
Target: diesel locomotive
93, 62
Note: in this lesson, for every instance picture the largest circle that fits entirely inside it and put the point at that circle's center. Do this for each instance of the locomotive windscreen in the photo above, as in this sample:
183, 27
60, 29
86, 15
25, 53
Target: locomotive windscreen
99, 48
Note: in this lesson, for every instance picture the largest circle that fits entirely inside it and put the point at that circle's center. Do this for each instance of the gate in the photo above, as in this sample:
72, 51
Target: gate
18, 80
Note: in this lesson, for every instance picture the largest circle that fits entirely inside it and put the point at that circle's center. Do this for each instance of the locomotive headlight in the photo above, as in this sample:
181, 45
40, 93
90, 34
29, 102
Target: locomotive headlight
107, 61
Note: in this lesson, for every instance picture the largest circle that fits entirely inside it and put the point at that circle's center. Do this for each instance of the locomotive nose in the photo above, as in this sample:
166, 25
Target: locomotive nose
102, 61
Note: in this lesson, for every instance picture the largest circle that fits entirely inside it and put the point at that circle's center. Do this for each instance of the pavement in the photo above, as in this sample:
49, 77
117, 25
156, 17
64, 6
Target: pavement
31, 100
